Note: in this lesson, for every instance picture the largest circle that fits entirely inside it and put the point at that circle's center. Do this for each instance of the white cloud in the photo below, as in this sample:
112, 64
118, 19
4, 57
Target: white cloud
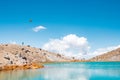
73, 45
38, 28
69, 45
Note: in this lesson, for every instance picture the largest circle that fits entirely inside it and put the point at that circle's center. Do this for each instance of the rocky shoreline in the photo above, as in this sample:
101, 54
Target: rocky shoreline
14, 56
22, 67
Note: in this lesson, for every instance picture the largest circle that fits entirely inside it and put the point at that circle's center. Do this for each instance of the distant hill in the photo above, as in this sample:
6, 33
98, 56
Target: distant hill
109, 56
13, 54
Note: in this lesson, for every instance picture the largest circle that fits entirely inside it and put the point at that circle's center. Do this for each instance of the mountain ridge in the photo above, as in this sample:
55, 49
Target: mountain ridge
13, 56
113, 55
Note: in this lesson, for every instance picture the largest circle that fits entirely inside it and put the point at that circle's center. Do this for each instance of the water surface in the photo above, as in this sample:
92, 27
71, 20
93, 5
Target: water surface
68, 71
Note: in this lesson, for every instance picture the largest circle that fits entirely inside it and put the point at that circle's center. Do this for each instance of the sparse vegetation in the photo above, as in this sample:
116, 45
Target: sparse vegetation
73, 57
24, 58
22, 43
22, 49
6, 44
44, 53
58, 55
11, 62
26, 51
28, 45
8, 58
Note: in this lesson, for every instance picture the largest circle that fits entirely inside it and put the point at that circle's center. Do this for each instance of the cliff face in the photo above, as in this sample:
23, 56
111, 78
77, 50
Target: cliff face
12, 54
110, 56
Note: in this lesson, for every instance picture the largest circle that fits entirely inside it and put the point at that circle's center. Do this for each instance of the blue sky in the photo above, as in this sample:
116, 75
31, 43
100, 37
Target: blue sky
96, 20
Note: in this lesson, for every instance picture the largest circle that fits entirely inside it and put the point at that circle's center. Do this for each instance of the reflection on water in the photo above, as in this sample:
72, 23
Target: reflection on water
67, 71
19, 75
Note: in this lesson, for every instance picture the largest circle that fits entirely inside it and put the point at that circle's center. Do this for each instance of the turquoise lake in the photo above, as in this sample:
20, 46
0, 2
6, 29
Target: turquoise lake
68, 71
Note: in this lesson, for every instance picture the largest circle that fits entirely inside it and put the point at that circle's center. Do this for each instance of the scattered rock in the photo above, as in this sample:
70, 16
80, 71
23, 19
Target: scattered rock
25, 66
24, 58
8, 58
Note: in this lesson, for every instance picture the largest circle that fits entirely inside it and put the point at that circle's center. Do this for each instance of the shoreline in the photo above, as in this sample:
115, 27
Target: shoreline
79, 62
41, 65
21, 67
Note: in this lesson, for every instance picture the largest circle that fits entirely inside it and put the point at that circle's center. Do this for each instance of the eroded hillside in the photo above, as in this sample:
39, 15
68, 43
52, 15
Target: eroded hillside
19, 55
110, 56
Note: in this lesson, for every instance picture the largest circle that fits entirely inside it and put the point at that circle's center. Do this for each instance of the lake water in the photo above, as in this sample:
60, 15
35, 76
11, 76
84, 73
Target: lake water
68, 71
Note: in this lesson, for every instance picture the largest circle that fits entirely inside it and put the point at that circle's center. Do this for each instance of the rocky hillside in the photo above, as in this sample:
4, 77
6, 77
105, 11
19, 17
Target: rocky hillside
110, 56
13, 54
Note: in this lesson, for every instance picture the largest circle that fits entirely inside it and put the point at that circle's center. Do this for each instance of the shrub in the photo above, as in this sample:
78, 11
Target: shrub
7, 58
22, 49
6, 45
11, 62
24, 58
58, 55
27, 51
44, 53
73, 57
22, 43
28, 45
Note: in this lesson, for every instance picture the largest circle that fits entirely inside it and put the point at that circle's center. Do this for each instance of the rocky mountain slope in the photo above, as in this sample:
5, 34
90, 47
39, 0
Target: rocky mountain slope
110, 56
13, 54
20, 56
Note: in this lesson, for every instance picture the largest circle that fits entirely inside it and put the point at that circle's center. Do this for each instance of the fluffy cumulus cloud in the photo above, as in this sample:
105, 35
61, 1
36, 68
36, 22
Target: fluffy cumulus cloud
38, 28
73, 45
69, 45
